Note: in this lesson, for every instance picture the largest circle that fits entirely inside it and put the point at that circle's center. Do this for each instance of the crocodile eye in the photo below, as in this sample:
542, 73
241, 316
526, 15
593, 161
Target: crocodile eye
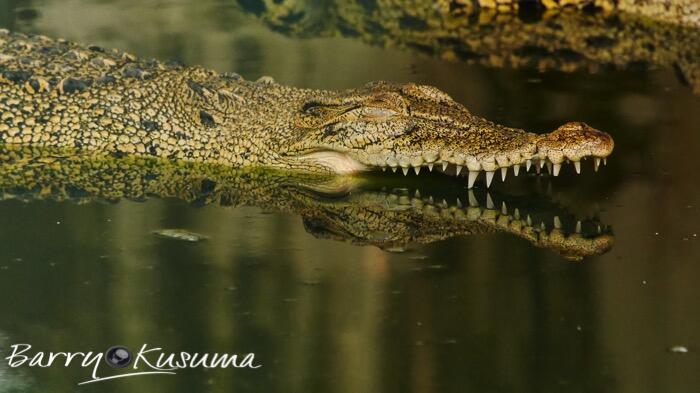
313, 108
320, 109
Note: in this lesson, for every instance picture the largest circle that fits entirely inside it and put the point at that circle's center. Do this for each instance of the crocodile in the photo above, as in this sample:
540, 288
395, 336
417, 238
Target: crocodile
556, 39
55, 93
417, 13
354, 209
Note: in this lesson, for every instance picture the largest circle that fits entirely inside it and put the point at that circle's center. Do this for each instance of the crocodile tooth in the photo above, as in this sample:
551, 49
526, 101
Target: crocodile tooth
557, 222
577, 165
444, 166
557, 168
538, 169
504, 208
417, 169
529, 220
489, 201
528, 164
430, 167
383, 169
459, 169
472, 178
596, 164
542, 161
549, 167
393, 169
516, 169
504, 172
578, 226
459, 203
489, 177
599, 230
472, 199
542, 226
516, 214
405, 170
416, 194
431, 200
605, 161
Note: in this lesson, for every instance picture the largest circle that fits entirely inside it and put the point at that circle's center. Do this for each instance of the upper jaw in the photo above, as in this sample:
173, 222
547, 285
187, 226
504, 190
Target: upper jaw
509, 148
572, 142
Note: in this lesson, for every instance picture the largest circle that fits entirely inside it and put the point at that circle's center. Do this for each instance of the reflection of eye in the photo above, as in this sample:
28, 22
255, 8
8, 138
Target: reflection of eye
378, 113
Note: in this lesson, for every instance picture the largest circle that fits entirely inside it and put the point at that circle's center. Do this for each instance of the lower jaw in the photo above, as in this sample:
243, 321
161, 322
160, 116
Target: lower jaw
336, 162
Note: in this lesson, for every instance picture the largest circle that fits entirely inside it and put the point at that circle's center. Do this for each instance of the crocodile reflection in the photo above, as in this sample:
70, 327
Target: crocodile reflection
350, 209
565, 41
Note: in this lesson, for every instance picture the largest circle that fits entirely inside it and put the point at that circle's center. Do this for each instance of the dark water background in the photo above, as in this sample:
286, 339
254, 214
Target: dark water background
498, 315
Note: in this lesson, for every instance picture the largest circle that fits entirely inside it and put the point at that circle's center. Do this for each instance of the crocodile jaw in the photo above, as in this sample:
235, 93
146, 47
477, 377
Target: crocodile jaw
572, 142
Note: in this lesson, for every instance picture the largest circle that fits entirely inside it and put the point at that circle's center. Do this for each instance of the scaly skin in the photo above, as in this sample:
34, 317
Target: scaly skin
681, 12
337, 207
55, 93
674, 11
562, 40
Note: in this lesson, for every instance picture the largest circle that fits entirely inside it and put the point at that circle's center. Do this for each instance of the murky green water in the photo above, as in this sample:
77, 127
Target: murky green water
483, 312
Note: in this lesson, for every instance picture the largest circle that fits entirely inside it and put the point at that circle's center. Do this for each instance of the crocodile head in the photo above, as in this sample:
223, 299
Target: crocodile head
410, 126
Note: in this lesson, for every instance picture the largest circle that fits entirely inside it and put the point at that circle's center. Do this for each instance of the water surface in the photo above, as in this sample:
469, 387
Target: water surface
486, 312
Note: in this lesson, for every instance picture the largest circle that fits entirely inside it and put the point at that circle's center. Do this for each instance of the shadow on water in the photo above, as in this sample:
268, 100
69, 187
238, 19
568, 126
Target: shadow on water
483, 311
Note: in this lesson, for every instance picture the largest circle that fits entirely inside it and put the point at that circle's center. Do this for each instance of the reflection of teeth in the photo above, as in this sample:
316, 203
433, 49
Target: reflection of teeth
472, 199
489, 201
548, 232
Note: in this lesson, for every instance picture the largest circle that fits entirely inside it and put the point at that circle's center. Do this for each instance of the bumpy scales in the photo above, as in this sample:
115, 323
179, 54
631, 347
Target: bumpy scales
54, 93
